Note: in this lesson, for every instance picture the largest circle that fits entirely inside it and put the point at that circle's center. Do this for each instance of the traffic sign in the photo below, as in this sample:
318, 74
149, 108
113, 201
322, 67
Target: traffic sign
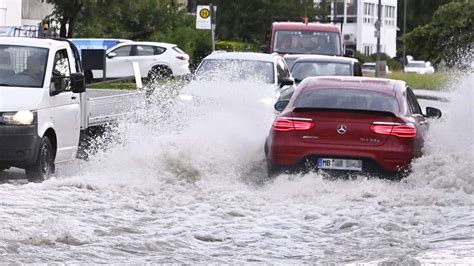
203, 18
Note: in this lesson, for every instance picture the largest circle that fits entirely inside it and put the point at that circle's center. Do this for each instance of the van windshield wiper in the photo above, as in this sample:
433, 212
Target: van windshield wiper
5, 85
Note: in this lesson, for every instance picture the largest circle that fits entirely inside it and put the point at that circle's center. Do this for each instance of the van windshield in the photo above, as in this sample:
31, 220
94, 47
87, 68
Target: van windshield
22, 66
307, 42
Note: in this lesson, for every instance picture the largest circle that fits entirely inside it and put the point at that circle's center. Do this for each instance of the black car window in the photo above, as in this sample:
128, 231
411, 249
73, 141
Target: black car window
282, 69
304, 69
159, 50
123, 50
357, 70
61, 70
351, 99
413, 104
144, 50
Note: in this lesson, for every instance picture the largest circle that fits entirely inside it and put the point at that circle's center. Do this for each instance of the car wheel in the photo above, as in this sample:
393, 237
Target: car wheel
44, 165
272, 170
160, 73
3, 167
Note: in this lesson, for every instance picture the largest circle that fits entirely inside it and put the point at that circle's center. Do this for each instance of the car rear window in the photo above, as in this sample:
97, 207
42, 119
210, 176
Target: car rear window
351, 99
301, 70
177, 49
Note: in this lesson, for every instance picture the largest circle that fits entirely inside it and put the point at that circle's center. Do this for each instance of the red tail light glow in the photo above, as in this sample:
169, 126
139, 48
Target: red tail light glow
394, 129
291, 123
183, 57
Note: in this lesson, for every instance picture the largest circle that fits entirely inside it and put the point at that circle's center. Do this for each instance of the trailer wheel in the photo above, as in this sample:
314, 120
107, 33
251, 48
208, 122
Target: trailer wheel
44, 165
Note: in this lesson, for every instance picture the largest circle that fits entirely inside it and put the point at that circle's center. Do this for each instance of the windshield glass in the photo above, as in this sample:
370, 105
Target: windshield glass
307, 42
236, 70
22, 66
350, 99
368, 67
417, 65
302, 70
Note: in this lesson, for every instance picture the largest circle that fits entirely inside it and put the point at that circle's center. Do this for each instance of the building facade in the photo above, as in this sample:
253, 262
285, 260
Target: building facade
359, 18
10, 13
14, 13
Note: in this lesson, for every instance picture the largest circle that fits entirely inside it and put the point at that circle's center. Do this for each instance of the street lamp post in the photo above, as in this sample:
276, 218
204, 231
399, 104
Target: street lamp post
378, 27
404, 32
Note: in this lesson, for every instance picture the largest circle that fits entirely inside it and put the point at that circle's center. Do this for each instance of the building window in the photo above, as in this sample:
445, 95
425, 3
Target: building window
369, 12
389, 16
367, 49
351, 11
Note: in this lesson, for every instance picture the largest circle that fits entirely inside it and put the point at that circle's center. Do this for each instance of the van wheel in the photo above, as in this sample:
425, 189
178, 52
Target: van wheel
44, 165
160, 73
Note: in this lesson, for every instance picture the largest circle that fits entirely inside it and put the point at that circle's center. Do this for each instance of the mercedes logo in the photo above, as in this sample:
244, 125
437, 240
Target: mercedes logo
341, 129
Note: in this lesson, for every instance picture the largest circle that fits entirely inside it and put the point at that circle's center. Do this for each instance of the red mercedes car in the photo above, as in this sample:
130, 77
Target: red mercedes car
349, 124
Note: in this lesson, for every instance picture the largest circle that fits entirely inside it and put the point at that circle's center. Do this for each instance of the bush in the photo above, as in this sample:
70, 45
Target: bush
232, 46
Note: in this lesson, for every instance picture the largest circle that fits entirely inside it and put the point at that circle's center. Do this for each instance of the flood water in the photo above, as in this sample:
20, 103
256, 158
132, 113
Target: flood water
182, 182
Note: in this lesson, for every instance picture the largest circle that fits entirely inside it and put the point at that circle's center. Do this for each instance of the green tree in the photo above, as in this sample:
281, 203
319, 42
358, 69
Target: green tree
67, 13
419, 12
449, 33
250, 20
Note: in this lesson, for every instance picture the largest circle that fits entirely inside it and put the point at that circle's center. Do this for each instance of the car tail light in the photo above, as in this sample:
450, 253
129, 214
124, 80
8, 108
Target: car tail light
183, 57
394, 129
291, 123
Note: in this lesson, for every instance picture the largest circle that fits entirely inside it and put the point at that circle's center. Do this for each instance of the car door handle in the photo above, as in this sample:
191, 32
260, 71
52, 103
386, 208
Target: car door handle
73, 97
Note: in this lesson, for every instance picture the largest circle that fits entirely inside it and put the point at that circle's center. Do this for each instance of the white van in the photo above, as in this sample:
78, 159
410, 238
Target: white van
43, 106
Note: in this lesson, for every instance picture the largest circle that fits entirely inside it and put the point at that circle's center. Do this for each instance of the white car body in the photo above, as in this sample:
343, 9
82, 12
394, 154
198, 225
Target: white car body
279, 70
368, 68
149, 55
419, 67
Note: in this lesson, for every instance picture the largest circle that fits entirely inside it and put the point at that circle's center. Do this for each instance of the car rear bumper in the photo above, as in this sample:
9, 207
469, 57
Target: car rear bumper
18, 145
373, 157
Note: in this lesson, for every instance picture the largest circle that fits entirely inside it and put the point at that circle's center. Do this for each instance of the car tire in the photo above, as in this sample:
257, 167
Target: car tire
4, 167
272, 170
44, 165
160, 73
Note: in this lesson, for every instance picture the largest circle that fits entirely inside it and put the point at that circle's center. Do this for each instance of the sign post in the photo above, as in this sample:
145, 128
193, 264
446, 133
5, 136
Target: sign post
206, 20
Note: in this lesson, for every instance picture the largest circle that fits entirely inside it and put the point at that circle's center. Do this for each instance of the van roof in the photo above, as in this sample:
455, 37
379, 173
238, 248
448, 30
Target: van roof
35, 42
313, 26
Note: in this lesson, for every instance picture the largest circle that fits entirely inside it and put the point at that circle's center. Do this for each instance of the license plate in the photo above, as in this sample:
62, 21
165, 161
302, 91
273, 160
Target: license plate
340, 164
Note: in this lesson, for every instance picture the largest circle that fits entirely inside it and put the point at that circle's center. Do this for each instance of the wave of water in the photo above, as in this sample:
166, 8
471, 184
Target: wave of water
177, 184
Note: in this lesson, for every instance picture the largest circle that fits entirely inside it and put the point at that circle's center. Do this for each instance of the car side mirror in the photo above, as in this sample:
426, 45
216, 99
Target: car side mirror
281, 105
432, 112
111, 55
349, 53
78, 83
286, 82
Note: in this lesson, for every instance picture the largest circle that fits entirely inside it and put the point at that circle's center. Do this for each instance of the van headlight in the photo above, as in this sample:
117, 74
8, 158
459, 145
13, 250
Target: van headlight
18, 118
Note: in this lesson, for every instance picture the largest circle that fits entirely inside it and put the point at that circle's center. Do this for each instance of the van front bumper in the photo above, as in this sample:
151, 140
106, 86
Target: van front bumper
18, 145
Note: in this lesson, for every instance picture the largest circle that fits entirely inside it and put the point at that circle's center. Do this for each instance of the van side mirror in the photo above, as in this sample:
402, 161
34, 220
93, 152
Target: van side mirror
281, 105
432, 112
78, 83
